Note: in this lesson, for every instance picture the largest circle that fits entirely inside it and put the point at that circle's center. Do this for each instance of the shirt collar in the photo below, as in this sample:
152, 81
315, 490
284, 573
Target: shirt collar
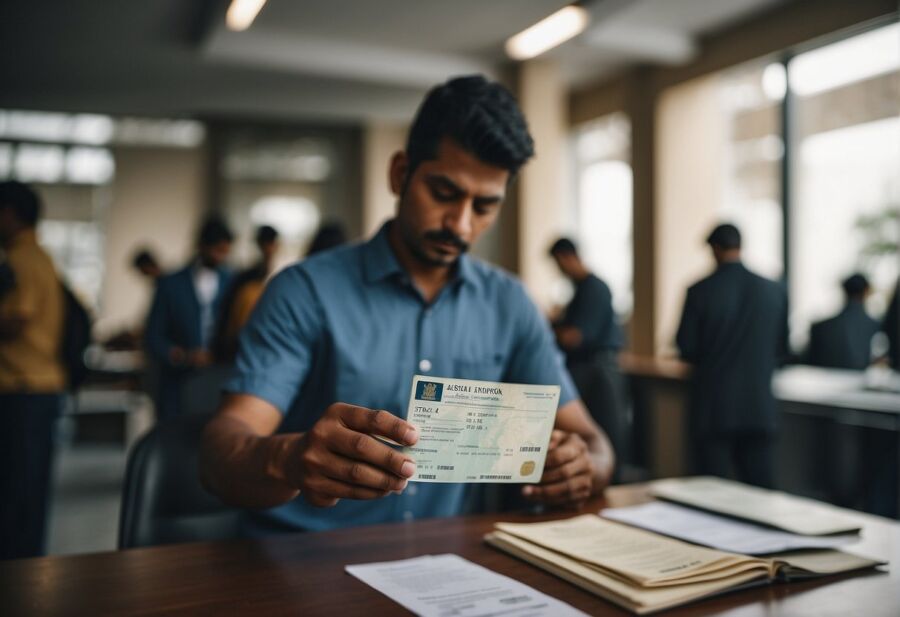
379, 261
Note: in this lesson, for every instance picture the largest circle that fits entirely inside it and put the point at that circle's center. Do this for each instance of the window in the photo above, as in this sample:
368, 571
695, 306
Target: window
603, 216
846, 173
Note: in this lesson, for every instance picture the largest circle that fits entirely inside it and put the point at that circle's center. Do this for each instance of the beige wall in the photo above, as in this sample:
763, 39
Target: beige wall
543, 187
380, 142
689, 159
157, 201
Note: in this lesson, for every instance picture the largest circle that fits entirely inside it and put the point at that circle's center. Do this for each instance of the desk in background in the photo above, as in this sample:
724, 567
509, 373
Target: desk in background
302, 574
841, 436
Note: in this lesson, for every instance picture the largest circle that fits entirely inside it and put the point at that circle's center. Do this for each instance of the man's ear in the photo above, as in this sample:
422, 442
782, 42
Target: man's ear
397, 172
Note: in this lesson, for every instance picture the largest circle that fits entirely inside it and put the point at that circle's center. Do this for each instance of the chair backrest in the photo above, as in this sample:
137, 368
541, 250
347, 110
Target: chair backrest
162, 499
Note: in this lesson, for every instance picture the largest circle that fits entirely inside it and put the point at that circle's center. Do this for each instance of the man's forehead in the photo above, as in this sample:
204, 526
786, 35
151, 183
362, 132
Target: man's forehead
466, 171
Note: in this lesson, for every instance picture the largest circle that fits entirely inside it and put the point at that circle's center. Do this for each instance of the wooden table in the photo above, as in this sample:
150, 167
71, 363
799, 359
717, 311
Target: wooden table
303, 575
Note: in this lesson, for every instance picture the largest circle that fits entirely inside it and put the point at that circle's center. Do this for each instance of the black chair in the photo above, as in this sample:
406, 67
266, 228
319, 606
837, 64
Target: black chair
162, 499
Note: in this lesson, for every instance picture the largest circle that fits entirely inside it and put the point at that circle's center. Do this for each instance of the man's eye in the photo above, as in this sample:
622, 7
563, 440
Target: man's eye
443, 195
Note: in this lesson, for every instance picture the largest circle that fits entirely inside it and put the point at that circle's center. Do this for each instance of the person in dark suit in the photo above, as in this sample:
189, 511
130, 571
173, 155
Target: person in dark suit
183, 315
734, 332
588, 333
845, 340
891, 328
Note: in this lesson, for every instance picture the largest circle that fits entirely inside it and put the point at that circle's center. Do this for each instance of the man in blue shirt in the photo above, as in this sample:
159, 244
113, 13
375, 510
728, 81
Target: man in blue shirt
327, 360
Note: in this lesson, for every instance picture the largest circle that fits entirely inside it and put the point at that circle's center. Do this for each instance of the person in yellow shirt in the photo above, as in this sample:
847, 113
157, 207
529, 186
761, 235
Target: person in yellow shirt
243, 295
32, 375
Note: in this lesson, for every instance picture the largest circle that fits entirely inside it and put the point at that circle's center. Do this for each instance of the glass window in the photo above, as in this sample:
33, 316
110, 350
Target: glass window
603, 216
846, 173
750, 98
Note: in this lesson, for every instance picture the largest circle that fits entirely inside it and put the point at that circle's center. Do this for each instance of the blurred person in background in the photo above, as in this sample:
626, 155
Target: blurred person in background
183, 314
147, 267
845, 340
146, 264
891, 327
32, 374
329, 236
243, 295
589, 335
734, 332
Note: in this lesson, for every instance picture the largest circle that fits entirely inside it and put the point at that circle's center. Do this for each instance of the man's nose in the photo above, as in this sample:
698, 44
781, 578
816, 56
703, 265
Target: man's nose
458, 219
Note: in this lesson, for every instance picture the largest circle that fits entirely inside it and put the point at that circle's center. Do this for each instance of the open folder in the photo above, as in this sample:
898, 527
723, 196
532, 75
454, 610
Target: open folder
646, 572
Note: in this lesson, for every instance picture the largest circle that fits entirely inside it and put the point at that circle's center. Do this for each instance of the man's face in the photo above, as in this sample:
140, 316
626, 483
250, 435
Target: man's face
567, 263
447, 203
268, 250
214, 255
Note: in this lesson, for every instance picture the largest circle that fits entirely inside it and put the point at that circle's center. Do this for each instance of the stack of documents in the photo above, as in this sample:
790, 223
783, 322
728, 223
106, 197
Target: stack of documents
645, 572
772, 508
719, 532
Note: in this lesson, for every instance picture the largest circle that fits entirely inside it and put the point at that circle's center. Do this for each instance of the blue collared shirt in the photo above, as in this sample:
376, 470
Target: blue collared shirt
349, 326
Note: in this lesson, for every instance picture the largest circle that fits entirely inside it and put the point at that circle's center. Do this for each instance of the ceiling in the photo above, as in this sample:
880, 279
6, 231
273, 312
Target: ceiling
341, 60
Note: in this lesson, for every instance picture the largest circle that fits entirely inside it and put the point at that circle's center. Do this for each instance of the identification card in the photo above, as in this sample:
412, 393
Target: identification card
480, 431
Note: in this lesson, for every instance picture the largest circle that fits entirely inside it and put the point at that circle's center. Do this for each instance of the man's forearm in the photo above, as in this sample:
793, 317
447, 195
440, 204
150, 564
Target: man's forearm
244, 469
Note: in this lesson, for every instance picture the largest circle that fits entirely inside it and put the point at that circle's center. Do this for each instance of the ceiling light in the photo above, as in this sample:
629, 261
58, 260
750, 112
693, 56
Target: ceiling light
241, 13
547, 33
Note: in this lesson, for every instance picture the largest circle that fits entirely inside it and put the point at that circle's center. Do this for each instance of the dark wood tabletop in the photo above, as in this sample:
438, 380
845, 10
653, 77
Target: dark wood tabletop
303, 574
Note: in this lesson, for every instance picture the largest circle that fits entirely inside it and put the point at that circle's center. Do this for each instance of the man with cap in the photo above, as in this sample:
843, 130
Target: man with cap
734, 332
845, 340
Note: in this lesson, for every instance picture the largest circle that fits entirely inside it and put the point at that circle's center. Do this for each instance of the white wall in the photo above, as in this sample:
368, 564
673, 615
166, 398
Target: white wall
157, 201
689, 163
380, 142
544, 195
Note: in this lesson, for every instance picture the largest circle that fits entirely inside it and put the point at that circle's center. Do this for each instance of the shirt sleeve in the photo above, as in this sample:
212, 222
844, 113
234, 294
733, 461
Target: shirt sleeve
21, 301
536, 359
276, 345
591, 312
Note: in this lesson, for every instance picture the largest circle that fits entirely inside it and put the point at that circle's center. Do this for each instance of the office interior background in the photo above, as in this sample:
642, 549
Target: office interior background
135, 121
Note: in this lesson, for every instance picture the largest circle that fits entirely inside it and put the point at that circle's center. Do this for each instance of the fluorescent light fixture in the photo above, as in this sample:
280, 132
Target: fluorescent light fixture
547, 33
241, 13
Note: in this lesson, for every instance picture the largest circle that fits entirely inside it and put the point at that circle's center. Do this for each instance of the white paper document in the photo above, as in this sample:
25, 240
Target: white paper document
448, 585
773, 508
717, 531
480, 431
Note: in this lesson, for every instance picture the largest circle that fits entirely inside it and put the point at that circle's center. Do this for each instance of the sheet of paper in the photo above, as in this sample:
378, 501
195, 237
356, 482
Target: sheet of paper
773, 508
480, 431
719, 532
445, 585
642, 557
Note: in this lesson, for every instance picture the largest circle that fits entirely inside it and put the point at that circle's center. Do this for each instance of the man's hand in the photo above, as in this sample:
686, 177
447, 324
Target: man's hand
338, 458
568, 472
199, 358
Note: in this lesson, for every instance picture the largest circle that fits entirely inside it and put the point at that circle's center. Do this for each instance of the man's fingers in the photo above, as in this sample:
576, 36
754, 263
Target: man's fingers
569, 491
362, 474
363, 447
328, 491
575, 467
572, 447
379, 422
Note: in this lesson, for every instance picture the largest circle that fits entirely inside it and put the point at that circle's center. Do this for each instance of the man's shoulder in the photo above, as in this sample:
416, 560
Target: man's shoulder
493, 279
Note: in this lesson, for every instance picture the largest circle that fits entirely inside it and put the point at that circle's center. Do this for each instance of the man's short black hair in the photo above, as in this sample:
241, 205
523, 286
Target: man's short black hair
214, 231
563, 246
23, 200
144, 258
725, 236
266, 234
480, 115
855, 285
329, 236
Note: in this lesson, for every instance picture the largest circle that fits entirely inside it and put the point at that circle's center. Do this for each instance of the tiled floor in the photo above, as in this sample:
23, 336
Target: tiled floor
84, 513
